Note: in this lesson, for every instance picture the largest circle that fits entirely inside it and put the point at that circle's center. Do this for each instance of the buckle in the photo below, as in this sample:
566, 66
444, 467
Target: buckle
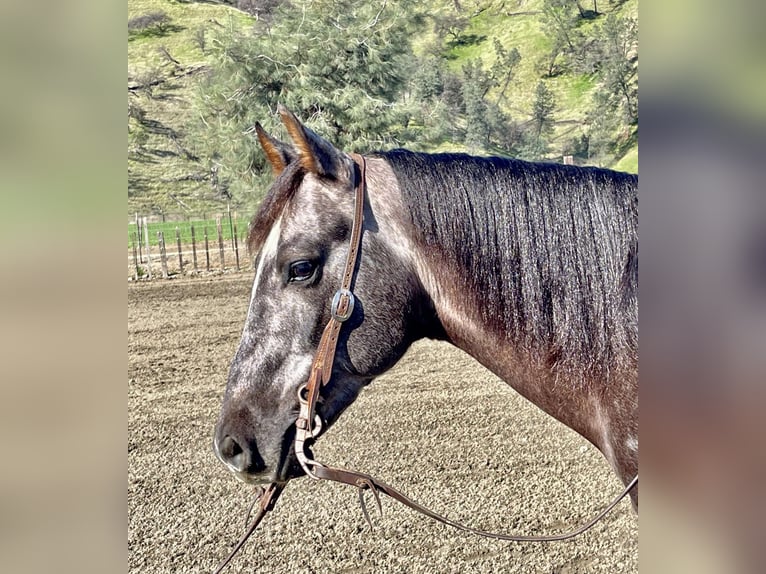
340, 294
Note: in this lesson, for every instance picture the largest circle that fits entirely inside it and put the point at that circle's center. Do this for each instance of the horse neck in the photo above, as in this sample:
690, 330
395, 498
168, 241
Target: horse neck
464, 322
584, 402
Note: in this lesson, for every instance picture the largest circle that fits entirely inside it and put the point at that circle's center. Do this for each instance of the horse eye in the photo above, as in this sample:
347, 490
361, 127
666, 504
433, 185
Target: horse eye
301, 271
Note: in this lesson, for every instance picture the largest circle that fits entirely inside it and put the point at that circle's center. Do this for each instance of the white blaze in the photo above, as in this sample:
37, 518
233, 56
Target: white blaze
268, 250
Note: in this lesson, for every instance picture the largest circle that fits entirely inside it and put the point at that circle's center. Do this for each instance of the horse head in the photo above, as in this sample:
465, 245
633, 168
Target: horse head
300, 236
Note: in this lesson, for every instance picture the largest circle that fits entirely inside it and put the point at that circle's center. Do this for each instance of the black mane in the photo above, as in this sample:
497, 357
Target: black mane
549, 251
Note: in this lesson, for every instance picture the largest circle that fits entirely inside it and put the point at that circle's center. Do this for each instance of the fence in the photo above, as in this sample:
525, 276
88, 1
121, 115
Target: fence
169, 248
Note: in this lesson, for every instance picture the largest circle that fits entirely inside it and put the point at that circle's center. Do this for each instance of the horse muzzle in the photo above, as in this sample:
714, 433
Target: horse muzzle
247, 463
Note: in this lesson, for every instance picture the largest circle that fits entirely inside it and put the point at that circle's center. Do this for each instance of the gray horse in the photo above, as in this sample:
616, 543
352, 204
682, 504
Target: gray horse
530, 268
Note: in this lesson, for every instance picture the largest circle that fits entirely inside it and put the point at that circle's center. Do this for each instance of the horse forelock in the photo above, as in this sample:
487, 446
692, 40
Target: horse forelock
279, 195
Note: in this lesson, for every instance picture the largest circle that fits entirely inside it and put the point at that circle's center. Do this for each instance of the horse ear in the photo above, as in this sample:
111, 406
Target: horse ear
279, 154
315, 153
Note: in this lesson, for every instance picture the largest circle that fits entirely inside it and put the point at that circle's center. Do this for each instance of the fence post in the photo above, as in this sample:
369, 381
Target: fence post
207, 251
139, 234
220, 242
194, 248
231, 225
135, 253
148, 250
178, 245
236, 245
163, 254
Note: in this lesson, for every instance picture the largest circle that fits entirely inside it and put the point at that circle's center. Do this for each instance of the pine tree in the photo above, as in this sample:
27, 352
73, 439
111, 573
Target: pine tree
542, 111
559, 19
476, 84
504, 68
340, 66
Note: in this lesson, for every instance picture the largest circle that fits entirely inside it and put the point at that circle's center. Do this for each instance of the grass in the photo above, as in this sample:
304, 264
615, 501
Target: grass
186, 19
628, 162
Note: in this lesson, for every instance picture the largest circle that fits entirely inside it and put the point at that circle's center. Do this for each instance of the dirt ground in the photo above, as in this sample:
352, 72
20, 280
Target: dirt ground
438, 426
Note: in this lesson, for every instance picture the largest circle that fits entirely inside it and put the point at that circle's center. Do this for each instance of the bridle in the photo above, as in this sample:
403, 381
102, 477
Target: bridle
309, 423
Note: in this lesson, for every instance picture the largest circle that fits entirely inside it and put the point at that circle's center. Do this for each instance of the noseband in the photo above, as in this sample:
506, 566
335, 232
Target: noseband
309, 423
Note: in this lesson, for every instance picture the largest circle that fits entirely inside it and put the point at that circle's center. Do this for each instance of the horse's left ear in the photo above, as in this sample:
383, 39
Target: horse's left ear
315, 153
278, 154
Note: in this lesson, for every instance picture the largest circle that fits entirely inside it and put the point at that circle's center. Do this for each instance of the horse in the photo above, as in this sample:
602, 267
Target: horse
530, 268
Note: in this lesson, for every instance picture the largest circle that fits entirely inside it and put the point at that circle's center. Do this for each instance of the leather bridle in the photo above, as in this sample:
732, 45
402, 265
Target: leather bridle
309, 423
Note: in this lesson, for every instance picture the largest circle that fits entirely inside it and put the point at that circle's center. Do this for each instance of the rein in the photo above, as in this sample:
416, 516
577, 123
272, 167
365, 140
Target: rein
309, 423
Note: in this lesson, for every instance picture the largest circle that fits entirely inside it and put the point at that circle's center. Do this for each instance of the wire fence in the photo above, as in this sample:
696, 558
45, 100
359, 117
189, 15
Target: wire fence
161, 248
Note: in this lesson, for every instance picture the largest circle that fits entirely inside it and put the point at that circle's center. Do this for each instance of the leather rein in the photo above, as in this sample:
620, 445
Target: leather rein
309, 423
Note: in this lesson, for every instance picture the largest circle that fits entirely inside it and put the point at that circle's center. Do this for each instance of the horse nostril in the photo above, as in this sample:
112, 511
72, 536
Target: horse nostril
232, 453
242, 459
230, 448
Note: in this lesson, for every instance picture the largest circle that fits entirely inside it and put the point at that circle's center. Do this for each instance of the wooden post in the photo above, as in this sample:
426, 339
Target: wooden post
231, 225
178, 245
194, 248
220, 242
148, 250
163, 254
207, 251
140, 235
135, 253
236, 245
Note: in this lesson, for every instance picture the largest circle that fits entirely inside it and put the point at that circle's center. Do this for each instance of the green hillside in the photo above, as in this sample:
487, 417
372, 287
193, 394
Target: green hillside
518, 24
183, 129
164, 172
